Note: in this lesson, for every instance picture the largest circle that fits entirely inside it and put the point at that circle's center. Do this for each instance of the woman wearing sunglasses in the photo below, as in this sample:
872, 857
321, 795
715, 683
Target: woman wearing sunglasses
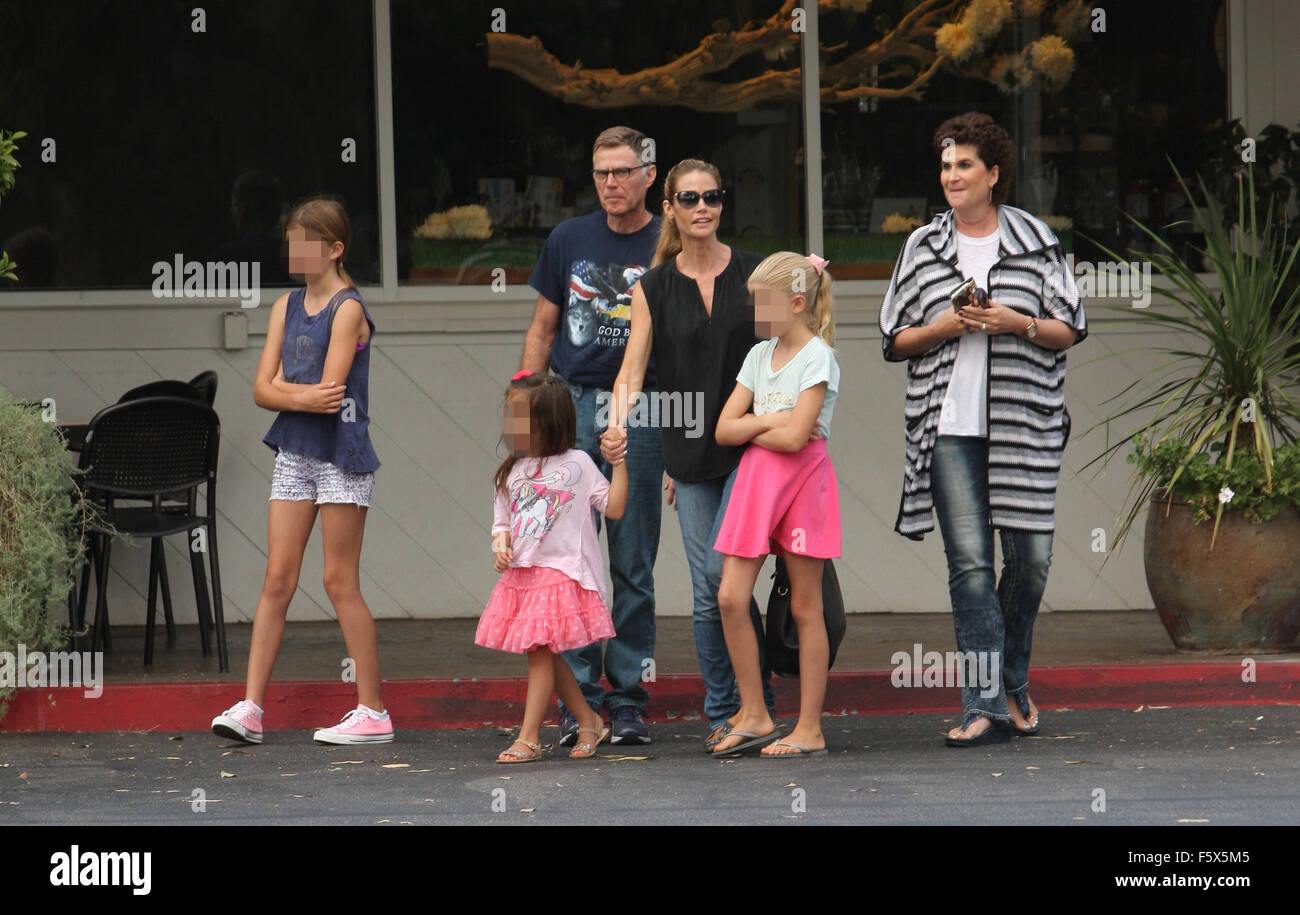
692, 311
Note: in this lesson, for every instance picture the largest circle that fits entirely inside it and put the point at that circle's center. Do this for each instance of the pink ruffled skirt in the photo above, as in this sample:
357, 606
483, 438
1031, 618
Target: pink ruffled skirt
786, 500
534, 605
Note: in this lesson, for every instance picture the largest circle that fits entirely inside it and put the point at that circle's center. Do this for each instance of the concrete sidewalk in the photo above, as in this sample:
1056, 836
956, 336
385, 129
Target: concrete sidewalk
435, 676
445, 648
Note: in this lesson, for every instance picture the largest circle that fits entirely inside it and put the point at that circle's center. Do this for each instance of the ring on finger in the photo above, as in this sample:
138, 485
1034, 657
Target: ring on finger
984, 325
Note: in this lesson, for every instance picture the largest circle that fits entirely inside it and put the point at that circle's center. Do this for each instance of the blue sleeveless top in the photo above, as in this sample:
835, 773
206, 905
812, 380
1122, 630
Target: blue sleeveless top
343, 438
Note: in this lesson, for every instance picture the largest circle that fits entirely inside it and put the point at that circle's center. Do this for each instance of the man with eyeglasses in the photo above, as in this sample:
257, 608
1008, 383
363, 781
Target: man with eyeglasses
584, 281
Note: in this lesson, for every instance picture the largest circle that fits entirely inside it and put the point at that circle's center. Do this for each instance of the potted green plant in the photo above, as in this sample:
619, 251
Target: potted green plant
1216, 462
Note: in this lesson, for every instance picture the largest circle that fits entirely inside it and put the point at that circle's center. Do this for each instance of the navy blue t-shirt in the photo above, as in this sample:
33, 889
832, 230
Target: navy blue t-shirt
588, 270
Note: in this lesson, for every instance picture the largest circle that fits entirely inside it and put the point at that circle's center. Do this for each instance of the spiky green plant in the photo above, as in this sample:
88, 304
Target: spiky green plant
1238, 388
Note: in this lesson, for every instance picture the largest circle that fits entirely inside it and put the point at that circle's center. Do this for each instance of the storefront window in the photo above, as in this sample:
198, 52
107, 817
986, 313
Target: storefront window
178, 130
1094, 99
493, 129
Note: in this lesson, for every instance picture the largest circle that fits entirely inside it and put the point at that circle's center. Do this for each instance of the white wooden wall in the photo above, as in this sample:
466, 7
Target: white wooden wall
435, 408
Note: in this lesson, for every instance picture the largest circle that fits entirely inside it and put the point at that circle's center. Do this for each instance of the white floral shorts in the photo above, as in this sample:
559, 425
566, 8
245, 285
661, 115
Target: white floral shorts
300, 478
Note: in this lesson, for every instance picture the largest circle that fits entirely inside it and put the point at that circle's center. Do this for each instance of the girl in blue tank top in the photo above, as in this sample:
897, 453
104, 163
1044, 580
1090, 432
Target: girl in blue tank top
314, 372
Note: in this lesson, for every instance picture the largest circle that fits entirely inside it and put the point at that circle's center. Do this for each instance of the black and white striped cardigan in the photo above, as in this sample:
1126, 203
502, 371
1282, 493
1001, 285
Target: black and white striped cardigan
1027, 421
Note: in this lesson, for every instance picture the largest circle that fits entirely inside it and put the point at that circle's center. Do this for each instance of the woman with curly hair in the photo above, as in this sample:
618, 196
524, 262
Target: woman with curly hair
983, 306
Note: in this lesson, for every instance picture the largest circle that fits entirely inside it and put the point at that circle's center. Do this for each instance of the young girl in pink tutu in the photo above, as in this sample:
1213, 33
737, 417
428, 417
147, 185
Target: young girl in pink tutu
785, 499
552, 596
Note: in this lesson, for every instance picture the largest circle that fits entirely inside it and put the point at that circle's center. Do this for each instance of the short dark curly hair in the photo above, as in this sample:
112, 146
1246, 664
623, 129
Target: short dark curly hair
994, 146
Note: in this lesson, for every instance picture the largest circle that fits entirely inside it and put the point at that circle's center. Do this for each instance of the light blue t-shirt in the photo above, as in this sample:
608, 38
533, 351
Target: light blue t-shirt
775, 392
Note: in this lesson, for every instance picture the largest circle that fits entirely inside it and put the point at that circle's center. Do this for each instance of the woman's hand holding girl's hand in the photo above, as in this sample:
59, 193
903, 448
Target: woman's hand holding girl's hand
322, 398
502, 554
995, 319
613, 444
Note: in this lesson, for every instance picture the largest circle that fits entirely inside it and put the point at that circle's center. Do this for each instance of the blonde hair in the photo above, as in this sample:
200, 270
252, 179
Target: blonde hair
326, 218
670, 239
794, 274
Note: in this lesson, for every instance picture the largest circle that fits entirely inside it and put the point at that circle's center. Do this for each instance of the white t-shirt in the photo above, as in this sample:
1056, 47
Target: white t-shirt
964, 410
775, 392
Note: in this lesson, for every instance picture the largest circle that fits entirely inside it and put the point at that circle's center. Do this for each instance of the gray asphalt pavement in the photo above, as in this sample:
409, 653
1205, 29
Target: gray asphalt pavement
1219, 765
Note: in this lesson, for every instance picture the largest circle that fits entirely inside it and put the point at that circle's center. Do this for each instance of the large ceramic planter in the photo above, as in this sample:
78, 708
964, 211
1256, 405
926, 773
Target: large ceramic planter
1244, 595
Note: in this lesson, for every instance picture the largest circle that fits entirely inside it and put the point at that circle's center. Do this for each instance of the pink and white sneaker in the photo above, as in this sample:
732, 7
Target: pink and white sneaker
361, 725
242, 721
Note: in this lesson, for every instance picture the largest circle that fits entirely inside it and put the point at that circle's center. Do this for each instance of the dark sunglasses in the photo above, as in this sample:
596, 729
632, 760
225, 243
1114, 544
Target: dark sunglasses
711, 198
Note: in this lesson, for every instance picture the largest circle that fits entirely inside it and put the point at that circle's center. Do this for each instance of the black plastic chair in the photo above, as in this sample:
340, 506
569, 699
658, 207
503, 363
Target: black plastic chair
202, 388
206, 384
151, 449
167, 387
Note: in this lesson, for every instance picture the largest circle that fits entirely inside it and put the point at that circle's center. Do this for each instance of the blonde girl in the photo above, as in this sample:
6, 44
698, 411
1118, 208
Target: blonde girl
785, 499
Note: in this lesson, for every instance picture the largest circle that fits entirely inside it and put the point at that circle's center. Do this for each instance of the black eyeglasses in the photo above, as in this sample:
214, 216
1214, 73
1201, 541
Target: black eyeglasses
620, 174
711, 198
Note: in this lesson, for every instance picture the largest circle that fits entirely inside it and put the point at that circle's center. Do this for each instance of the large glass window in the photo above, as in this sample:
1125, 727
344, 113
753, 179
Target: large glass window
1095, 96
167, 129
488, 160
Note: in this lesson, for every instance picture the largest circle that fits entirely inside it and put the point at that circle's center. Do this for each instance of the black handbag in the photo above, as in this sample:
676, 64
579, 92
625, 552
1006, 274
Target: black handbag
782, 637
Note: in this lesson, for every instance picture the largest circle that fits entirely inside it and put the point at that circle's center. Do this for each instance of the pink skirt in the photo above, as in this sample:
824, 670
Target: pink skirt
534, 605
785, 500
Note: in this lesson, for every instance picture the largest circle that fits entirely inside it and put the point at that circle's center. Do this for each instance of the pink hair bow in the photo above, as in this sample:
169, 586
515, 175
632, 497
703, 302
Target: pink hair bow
522, 373
819, 263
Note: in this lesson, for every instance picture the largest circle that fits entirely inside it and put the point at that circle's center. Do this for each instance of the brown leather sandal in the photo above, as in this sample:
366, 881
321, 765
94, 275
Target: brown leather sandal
519, 756
585, 749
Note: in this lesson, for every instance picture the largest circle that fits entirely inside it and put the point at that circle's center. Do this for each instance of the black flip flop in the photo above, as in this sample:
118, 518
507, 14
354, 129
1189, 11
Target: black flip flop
755, 740
711, 742
994, 733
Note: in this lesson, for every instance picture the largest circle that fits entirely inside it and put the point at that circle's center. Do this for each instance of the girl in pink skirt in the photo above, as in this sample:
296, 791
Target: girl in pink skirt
785, 499
552, 595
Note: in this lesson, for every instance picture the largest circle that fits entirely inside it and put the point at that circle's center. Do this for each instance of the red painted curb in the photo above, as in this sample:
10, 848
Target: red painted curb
498, 701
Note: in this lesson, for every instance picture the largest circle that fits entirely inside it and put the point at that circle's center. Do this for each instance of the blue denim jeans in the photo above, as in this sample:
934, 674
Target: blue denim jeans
987, 617
700, 509
633, 546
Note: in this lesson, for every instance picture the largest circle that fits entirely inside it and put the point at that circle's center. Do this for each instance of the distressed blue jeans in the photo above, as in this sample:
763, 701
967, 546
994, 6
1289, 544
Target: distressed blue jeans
987, 616
633, 547
700, 509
